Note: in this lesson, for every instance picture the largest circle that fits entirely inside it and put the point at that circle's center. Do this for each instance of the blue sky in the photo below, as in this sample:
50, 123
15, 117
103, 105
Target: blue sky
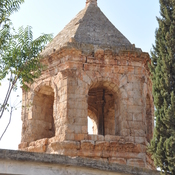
136, 19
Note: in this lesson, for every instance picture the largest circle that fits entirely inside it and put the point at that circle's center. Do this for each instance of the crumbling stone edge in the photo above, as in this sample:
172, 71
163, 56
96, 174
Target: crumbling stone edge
77, 161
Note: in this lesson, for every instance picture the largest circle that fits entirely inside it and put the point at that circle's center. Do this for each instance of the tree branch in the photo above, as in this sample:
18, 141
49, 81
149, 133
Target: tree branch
7, 124
11, 86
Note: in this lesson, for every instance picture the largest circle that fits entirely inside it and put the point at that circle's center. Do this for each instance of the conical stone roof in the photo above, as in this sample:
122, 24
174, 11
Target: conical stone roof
90, 26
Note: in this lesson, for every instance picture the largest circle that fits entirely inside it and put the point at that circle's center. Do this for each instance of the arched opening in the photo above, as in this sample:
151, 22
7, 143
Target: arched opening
43, 112
102, 101
92, 122
149, 121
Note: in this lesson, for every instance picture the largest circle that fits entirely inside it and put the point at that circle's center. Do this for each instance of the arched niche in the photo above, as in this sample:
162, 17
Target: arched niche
43, 112
102, 99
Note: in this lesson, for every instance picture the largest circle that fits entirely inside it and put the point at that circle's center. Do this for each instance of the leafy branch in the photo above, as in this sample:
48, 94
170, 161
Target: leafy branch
19, 53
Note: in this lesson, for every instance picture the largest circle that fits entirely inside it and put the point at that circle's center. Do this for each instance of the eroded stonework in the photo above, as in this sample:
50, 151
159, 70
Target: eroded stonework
110, 84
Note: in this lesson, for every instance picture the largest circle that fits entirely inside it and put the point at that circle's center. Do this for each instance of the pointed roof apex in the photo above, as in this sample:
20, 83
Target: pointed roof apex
94, 2
91, 28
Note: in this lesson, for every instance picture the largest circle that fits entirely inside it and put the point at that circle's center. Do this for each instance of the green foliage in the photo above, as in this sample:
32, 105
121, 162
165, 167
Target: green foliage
7, 7
163, 77
19, 52
21, 58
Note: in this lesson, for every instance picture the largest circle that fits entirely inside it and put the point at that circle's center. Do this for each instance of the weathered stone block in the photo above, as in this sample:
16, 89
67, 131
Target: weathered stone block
136, 125
78, 129
84, 130
123, 81
39, 149
22, 145
81, 121
102, 145
92, 137
112, 138
126, 116
136, 162
101, 138
138, 70
135, 109
70, 136
79, 137
125, 132
138, 133
30, 114
41, 142
140, 140
138, 117
128, 87
87, 145
65, 145
53, 139
118, 160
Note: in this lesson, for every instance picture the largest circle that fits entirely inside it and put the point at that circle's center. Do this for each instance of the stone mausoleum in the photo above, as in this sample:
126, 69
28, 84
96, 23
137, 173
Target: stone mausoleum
92, 71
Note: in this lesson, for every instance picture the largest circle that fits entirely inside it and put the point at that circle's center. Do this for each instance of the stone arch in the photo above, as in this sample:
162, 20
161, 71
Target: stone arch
94, 79
103, 96
42, 112
47, 82
149, 119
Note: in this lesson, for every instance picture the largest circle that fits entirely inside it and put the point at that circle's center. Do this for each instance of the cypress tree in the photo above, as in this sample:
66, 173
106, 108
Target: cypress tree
162, 67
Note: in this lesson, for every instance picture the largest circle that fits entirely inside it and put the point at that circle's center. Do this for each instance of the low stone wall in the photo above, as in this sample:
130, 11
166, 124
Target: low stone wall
111, 149
27, 163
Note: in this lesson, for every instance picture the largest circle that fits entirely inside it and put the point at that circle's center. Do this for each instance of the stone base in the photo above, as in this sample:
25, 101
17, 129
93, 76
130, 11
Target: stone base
97, 147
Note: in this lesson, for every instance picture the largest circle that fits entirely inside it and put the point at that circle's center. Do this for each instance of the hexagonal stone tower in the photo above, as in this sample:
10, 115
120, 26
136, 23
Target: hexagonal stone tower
93, 73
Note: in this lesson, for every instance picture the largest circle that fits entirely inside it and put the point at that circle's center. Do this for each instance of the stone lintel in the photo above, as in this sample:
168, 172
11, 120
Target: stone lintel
98, 54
